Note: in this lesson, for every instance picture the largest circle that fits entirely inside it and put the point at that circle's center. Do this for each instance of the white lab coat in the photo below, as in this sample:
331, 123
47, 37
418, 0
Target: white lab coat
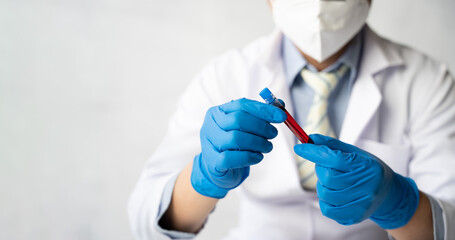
401, 109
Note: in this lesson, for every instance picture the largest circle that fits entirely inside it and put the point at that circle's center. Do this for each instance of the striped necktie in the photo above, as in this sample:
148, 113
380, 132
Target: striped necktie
323, 85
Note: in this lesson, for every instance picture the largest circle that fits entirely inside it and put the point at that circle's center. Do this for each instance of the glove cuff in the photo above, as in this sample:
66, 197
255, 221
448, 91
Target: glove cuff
201, 181
400, 204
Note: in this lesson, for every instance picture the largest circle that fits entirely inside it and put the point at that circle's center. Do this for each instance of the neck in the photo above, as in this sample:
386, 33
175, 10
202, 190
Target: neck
326, 63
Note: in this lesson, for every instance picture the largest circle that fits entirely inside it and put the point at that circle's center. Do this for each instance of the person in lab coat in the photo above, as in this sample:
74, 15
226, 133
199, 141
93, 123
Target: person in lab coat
388, 169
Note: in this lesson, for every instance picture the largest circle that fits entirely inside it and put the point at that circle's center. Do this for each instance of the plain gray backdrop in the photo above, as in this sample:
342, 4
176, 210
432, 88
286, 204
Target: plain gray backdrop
87, 88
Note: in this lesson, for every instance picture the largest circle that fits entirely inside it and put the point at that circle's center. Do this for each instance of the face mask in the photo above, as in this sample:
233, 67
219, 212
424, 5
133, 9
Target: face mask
320, 28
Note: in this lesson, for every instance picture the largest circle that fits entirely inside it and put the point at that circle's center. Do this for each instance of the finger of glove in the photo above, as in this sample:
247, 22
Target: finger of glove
336, 144
335, 179
343, 196
260, 110
237, 140
351, 213
219, 163
233, 140
210, 156
244, 122
237, 159
231, 178
324, 156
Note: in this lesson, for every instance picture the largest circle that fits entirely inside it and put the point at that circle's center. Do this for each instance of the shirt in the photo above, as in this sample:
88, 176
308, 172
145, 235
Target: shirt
303, 95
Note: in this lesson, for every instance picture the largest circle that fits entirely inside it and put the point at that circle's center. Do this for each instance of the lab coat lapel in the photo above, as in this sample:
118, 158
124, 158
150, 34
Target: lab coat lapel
273, 70
366, 96
269, 73
285, 139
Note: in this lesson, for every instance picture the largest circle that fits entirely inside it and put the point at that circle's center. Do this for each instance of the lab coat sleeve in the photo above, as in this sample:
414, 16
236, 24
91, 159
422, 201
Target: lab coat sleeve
432, 136
178, 147
438, 219
164, 205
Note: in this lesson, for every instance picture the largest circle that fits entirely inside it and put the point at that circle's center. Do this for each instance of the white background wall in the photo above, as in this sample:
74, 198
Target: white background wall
87, 87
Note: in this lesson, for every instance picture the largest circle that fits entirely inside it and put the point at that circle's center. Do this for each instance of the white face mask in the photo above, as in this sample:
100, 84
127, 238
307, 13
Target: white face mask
320, 28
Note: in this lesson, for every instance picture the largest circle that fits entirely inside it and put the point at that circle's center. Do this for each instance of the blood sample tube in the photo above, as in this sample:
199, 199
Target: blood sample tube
295, 128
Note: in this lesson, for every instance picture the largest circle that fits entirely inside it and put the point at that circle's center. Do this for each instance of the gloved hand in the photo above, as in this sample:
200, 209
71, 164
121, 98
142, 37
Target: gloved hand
354, 185
233, 137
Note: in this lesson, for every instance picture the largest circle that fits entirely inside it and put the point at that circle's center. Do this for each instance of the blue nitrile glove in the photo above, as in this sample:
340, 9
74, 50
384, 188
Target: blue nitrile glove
233, 137
354, 185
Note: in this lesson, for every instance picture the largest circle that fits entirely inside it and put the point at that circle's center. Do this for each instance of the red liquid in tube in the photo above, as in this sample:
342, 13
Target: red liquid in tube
296, 129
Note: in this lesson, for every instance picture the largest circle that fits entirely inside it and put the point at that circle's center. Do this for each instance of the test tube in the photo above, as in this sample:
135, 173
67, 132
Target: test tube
295, 128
